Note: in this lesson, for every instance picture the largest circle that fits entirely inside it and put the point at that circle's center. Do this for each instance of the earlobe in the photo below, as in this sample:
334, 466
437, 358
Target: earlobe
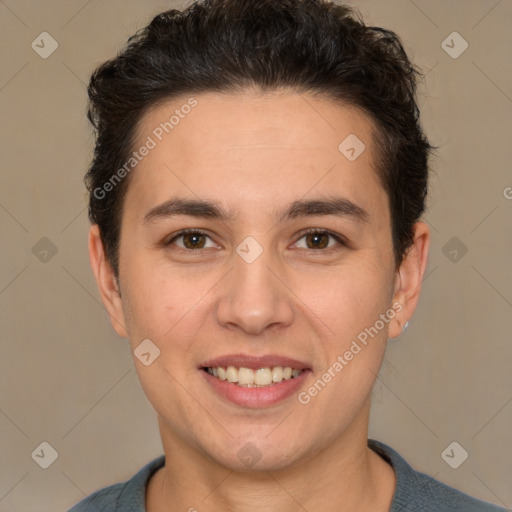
106, 281
409, 278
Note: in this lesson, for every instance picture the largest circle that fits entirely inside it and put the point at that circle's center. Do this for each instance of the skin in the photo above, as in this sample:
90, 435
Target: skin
240, 150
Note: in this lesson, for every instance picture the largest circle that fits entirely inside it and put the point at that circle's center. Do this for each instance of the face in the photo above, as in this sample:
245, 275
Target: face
290, 264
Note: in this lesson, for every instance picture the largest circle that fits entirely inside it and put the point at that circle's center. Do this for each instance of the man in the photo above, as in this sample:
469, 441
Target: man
255, 194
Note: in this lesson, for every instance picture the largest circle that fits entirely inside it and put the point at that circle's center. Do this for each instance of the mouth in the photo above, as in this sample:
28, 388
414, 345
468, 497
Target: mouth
254, 382
250, 378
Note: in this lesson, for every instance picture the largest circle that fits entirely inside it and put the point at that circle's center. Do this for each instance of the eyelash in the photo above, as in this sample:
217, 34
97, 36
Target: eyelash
341, 240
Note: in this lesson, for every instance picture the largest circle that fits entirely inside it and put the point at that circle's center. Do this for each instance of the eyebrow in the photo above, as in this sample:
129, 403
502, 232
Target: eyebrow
337, 206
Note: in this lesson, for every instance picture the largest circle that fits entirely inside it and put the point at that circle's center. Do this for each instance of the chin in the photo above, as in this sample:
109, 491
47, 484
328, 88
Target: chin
256, 453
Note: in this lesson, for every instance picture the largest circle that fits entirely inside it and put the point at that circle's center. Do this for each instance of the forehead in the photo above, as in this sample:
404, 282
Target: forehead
240, 148
245, 120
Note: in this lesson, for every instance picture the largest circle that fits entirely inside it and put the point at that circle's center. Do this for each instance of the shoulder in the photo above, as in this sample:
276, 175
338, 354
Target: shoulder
419, 492
104, 500
128, 496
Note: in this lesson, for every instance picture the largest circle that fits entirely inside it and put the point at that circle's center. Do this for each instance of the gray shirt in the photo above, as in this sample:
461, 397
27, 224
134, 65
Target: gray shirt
415, 491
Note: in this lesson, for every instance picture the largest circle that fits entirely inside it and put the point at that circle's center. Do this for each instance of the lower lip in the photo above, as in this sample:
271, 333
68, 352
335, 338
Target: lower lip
255, 397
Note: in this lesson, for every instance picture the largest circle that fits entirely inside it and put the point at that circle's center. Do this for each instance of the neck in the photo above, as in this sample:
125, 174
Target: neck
346, 476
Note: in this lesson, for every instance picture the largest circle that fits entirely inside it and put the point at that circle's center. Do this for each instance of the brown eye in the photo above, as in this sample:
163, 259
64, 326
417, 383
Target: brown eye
316, 239
192, 240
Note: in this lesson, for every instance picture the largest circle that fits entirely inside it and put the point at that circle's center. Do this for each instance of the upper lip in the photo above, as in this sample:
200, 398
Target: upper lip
253, 362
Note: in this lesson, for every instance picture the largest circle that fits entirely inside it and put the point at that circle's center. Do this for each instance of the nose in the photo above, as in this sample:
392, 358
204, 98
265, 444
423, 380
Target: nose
254, 297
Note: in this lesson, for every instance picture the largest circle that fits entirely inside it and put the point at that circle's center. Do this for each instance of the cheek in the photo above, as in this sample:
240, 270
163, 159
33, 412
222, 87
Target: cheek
161, 302
351, 304
354, 355
149, 303
349, 300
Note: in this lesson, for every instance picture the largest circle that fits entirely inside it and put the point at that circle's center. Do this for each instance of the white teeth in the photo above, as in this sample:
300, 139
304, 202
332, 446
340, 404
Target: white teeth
263, 377
231, 374
277, 374
247, 377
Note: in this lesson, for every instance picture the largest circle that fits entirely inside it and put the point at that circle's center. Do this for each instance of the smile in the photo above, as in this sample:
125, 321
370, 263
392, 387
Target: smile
247, 377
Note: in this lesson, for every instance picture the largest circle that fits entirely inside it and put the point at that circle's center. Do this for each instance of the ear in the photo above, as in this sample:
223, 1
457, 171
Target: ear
106, 281
409, 277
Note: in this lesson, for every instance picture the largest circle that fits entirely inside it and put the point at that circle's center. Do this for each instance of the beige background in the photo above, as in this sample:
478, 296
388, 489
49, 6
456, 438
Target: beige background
67, 379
